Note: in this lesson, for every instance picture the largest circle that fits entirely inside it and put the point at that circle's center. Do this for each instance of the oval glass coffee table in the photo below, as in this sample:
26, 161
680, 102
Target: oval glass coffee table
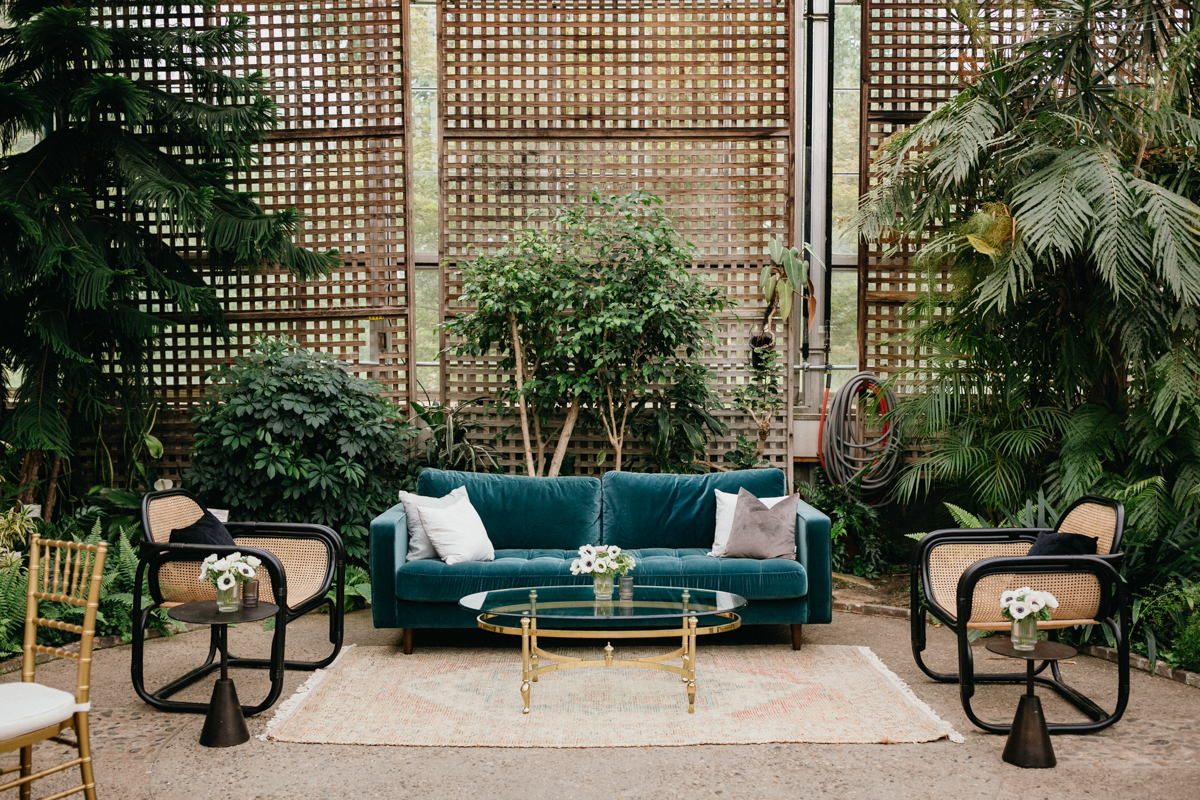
574, 612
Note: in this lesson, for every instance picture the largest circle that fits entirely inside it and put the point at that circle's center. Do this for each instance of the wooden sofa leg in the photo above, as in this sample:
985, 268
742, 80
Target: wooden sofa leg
797, 636
408, 644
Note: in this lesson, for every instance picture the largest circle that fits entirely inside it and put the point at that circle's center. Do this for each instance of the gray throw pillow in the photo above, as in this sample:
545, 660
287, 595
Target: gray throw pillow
761, 532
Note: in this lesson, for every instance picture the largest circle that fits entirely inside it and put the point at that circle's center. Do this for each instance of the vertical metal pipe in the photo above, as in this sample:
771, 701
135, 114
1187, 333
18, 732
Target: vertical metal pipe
818, 184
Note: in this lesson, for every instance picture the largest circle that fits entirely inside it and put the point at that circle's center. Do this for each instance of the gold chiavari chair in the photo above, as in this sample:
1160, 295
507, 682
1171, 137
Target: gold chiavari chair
30, 712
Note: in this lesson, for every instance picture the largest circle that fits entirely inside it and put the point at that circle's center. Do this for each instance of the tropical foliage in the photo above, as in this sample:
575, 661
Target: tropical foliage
123, 174
115, 614
1059, 192
286, 434
857, 541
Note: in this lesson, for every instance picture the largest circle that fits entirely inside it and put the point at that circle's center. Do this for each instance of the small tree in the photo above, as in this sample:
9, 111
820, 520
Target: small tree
288, 435
760, 396
524, 298
642, 320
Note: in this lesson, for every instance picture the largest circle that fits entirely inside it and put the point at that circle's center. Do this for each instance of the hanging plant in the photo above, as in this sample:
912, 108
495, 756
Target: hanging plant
780, 281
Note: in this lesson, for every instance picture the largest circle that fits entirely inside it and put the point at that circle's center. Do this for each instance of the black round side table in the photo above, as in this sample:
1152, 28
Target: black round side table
224, 725
1028, 742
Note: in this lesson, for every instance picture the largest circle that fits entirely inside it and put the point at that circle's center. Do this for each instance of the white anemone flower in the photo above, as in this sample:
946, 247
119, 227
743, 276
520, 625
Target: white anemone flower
234, 556
225, 582
1035, 602
1007, 598
221, 565
245, 570
1019, 610
252, 561
211, 559
1022, 592
586, 563
1051, 600
587, 551
575, 567
613, 551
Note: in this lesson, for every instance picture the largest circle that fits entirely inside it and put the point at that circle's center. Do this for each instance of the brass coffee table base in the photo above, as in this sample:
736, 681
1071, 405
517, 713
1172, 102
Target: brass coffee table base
530, 651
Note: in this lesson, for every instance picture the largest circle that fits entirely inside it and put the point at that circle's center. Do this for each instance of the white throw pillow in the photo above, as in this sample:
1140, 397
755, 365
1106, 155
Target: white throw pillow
419, 546
726, 504
457, 533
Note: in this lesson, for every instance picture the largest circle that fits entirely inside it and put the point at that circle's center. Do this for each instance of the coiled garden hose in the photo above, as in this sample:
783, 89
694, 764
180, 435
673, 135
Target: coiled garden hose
841, 453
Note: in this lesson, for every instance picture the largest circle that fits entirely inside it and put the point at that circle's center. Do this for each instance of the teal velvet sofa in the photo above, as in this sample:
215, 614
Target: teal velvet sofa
538, 524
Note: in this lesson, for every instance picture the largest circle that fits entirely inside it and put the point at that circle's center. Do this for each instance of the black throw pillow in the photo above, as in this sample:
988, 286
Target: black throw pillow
1063, 544
206, 530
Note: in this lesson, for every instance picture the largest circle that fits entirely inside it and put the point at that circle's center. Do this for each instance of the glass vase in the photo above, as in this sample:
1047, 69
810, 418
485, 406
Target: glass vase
602, 585
229, 599
1024, 633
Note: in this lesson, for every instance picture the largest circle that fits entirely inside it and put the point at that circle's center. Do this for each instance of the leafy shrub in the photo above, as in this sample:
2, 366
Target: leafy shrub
1187, 648
288, 435
446, 441
851, 520
115, 615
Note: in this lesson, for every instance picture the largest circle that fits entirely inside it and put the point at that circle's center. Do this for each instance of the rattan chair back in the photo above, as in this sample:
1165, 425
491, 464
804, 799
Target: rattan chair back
1078, 594
178, 581
70, 573
1095, 519
305, 561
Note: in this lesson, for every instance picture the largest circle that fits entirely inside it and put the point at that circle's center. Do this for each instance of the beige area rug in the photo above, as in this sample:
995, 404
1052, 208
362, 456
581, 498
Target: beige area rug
444, 697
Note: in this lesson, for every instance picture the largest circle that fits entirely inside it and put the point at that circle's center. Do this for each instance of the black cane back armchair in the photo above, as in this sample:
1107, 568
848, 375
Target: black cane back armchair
958, 575
300, 564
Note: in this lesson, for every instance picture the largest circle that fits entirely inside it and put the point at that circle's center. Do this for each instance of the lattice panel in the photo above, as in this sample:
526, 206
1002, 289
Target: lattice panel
335, 70
615, 64
728, 195
912, 59
908, 61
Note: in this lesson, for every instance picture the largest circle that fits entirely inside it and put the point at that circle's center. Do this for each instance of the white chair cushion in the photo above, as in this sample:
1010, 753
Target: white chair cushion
29, 707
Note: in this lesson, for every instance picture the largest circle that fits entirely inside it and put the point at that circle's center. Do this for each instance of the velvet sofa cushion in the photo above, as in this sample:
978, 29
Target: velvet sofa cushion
522, 512
435, 582
675, 511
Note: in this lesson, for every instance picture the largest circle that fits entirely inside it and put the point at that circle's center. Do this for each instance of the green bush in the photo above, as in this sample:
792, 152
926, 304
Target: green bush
1187, 647
851, 520
115, 615
288, 435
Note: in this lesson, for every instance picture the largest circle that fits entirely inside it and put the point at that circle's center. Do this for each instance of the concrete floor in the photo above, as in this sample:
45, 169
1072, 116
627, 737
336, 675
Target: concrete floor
1154, 752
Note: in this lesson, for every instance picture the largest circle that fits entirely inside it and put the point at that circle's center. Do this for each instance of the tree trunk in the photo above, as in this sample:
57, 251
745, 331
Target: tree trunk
29, 475
519, 360
51, 488
564, 436
764, 430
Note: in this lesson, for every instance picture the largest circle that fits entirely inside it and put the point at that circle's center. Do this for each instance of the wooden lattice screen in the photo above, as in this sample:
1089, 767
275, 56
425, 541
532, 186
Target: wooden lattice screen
335, 69
544, 101
909, 68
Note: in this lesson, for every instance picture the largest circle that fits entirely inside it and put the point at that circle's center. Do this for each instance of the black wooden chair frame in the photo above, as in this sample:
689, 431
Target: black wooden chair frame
1112, 613
155, 554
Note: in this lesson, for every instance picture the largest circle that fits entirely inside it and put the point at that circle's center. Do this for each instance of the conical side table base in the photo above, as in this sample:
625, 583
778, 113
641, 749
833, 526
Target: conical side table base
224, 725
1029, 740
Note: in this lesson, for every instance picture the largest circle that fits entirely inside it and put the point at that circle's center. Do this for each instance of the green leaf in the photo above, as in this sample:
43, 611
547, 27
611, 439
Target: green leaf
153, 446
786, 295
775, 248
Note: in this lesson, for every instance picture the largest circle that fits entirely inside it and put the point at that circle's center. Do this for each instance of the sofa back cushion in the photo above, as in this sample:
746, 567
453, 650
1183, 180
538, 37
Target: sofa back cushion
679, 511
520, 512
